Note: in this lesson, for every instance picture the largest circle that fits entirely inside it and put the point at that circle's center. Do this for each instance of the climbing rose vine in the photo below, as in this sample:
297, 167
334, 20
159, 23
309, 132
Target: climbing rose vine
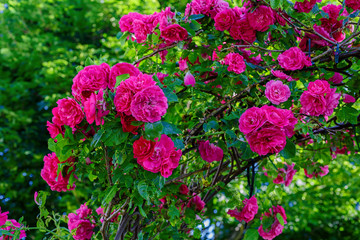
215, 99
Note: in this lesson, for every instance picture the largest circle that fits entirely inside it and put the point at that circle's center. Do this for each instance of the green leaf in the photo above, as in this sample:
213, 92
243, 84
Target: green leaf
92, 177
124, 38
159, 182
170, 129
275, 4
97, 138
110, 195
174, 212
289, 151
79, 68
197, 233
153, 130
251, 234
143, 189
114, 137
196, 16
210, 125
89, 62
178, 143
121, 78
280, 219
348, 114
195, 25
170, 95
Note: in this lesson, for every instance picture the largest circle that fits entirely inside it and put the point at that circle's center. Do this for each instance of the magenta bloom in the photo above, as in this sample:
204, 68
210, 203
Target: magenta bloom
174, 33
80, 221
189, 79
285, 176
277, 92
207, 7
92, 78
224, 19
251, 120
184, 189
3, 217
149, 105
54, 129
337, 78
126, 22
332, 101
49, 173
354, 4
95, 108
349, 99
267, 140
293, 59
317, 171
120, 69
283, 76
276, 228
305, 6
161, 157
319, 87
261, 18
183, 64
242, 30
235, 62
68, 112
248, 212
209, 152
313, 104
197, 202
14, 226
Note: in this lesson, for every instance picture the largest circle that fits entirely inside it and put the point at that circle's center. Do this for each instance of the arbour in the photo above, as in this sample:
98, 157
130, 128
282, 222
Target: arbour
133, 106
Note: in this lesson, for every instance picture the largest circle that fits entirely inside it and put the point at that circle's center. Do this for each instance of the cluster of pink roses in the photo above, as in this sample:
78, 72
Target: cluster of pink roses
266, 128
140, 97
209, 152
319, 99
206, 7
9, 225
306, 6
276, 227
142, 25
285, 175
354, 4
242, 23
159, 156
83, 223
248, 211
50, 173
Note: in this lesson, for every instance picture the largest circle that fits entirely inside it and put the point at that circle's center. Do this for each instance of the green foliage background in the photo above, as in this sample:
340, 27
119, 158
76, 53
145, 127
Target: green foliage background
42, 41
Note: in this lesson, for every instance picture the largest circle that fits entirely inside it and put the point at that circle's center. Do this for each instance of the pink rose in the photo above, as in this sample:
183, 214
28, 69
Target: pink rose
242, 30
277, 92
141, 30
337, 78
276, 228
143, 149
286, 175
312, 104
120, 69
183, 64
164, 158
293, 59
126, 22
349, 99
184, 189
209, 152
68, 112
95, 108
3, 217
174, 33
251, 120
319, 87
123, 98
140, 82
206, 7
149, 105
197, 202
189, 79
224, 20
49, 173
305, 6
334, 11
261, 18
235, 63
277, 116
318, 170
80, 221
92, 78
332, 101
54, 129
354, 4
267, 140
248, 212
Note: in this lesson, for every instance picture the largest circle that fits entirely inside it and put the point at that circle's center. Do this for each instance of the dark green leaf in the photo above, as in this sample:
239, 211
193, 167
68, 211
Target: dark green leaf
169, 128
251, 234
289, 151
280, 219
143, 189
153, 130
